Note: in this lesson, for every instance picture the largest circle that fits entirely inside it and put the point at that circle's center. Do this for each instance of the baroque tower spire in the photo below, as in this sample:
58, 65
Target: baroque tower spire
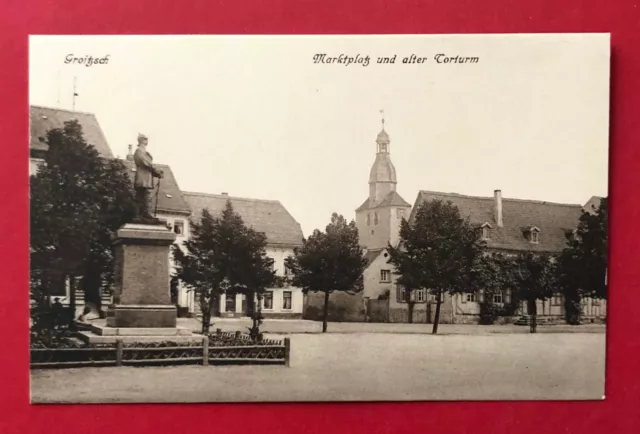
382, 178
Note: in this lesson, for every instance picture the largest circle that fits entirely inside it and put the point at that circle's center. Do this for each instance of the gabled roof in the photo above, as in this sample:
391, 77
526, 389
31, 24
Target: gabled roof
371, 255
553, 219
268, 216
592, 204
391, 199
170, 198
43, 119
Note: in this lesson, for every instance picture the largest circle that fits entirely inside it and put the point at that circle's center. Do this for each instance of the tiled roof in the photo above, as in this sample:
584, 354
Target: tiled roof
553, 219
592, 204
267, 216
43, 119
170, 197
391, 199
371, 255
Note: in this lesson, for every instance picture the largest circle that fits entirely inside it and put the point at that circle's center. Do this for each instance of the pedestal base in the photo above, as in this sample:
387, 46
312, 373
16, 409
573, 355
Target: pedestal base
98, 333
141, 316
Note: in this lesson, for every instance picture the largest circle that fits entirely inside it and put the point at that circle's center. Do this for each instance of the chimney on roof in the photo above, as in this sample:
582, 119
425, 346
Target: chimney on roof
497, 212
130, 154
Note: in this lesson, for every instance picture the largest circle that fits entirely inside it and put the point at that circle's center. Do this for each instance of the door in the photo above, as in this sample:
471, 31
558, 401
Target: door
230, 303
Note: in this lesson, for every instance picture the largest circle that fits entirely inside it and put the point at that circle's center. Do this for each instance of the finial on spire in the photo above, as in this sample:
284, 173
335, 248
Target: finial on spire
382, 113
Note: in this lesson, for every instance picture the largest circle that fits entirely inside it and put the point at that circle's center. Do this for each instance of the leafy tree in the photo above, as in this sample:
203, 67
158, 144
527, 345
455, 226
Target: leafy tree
76, 199
492, 274
582, 265
223, 255
329, 261
406, 262
437, 252
533, 277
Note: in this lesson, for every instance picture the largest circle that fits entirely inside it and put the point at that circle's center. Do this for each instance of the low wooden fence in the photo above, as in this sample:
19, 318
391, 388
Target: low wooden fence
218, 348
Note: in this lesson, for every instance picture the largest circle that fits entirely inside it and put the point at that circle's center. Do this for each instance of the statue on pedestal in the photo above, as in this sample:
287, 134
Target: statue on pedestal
145, 174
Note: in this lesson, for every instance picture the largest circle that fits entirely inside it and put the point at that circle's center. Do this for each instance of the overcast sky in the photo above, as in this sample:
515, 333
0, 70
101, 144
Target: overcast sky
255, 117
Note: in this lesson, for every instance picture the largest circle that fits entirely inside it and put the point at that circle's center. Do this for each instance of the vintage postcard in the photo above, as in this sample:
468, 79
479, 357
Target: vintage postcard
318, 218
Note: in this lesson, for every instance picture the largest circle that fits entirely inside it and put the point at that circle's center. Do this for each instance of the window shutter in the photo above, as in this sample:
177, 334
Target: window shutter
464, 297
507, 296
481, 296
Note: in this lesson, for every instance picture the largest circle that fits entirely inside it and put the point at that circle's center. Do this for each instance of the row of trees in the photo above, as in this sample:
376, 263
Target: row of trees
224, 256
443, 253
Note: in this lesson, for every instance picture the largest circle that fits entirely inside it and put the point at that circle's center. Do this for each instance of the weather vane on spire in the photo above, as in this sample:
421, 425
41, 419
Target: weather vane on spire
382, 113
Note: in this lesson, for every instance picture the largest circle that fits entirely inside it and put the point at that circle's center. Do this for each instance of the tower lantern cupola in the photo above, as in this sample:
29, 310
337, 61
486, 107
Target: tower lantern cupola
383, 140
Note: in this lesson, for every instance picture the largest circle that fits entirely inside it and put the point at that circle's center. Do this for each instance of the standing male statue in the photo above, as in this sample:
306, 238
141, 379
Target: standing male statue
145, 172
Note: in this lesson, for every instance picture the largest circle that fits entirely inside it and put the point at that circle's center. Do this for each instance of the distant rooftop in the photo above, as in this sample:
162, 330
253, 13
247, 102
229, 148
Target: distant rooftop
267, 216
43, 119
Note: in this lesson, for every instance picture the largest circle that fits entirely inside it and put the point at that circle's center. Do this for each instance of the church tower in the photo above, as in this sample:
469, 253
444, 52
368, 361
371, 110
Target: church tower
378, 218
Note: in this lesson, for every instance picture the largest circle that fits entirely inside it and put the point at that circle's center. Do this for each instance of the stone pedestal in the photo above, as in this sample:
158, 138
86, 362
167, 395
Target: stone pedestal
141, 289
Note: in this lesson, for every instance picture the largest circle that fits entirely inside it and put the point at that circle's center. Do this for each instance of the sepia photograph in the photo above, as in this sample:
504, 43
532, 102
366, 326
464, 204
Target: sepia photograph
310, 218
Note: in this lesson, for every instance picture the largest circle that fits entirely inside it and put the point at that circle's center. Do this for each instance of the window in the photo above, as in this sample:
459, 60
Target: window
421, 295
178, 227
595, 302
368, 219
485, 233
375, 218
469, 297
497, 298
385, 276
556, 300
434, 297
267, 300
400, 213
287, 271
286, 300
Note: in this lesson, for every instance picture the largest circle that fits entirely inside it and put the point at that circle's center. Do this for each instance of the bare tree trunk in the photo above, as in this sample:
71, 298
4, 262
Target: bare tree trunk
572, 307
533, 308
410, 305
72, 298
206, 306
326, 312
436, 320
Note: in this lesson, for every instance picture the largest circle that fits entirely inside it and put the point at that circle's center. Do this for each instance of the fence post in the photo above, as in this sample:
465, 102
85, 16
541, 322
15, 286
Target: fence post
205, 351
287, 352
119, 346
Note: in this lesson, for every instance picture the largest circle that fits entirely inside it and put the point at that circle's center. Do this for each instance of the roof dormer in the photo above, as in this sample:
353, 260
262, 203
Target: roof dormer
484, 229
532, 234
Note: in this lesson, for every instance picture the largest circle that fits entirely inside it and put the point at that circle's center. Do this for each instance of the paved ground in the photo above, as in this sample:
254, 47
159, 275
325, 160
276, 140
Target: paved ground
364, 367
286, 326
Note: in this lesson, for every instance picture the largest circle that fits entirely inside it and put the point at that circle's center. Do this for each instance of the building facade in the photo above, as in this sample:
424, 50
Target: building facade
283, 234
510, 227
